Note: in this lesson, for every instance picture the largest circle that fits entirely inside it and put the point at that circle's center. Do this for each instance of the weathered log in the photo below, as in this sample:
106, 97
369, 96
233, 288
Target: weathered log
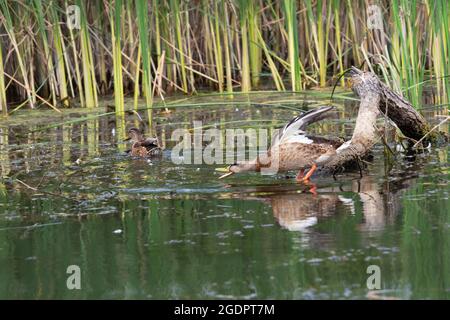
410, 122
365, 134
376, 97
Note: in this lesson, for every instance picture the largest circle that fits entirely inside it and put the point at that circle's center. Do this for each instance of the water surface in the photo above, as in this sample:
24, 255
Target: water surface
142, 229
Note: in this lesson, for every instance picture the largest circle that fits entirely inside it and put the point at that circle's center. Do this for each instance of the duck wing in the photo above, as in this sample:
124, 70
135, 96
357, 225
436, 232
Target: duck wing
323, 140
297, 125
313, 141
149, 143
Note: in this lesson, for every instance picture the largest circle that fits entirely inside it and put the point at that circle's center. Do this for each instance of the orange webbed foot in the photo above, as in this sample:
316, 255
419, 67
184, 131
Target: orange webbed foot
309, 173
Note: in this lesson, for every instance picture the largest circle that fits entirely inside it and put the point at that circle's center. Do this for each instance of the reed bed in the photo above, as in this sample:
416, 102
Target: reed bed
155, 48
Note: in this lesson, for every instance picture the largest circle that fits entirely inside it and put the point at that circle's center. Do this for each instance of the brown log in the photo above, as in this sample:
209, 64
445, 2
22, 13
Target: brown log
410, 122
376, 97
365, 134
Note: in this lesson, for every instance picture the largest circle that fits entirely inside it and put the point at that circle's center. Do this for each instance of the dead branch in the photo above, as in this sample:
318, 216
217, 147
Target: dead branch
376, 97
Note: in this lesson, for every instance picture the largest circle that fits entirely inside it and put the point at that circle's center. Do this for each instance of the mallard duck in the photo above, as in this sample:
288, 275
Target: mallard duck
293, 149
142, 146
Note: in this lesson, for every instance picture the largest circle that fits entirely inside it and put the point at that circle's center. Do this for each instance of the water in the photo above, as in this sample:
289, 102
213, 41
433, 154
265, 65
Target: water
152, 229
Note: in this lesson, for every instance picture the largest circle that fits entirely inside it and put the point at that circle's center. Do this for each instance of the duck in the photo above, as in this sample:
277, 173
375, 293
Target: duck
142, 146
294, 149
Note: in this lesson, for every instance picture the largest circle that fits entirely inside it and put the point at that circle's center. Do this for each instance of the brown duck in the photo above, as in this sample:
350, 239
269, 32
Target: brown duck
142, 146
293, 149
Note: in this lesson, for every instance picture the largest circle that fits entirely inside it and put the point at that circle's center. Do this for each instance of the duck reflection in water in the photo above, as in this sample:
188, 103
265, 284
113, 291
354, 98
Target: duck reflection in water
298, 210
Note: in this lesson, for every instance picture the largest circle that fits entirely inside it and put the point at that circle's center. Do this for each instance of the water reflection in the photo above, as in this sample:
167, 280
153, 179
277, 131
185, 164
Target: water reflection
297, 210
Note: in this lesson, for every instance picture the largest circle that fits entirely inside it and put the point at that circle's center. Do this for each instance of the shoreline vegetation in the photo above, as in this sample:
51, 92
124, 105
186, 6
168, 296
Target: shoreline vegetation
58, 53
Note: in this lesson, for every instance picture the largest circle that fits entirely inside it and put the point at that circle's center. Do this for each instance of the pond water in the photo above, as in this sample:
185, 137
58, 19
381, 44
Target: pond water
138, 229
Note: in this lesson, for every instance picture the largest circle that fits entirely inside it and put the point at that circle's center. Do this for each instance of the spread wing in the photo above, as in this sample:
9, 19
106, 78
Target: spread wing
299, 124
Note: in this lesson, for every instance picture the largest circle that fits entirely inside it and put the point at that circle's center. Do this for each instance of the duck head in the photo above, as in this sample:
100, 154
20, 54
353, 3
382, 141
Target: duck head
135, 135
240, 167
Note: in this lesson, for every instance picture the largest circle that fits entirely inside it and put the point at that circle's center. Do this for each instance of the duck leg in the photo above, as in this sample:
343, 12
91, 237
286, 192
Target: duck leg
299, 175
309, 173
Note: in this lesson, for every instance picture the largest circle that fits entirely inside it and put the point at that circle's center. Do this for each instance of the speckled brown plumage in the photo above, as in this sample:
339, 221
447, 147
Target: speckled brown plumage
293, 149
293, 156
142, 147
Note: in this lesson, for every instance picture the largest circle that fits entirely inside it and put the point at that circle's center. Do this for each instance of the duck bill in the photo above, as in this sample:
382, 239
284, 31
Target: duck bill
226, 175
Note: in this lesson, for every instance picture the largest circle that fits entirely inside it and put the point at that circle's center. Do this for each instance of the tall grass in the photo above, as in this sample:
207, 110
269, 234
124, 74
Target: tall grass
411, 57
141, 11
89, 80
146, 48
115, 22
245, 58
3, 106
290, 9
440, 44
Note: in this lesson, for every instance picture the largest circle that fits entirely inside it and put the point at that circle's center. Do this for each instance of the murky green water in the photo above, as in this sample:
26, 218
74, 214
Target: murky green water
154, 229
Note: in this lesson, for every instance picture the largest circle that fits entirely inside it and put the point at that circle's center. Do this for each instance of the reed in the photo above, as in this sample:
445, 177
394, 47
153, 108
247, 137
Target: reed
216, 39
47, 55
176, 14
141, 11
115, 22
320, 32
254, 25
245, 59
89, 89
407, 26
11, 32
440, 46
337, 38
226, 42
3, 105
143, 48
290, 9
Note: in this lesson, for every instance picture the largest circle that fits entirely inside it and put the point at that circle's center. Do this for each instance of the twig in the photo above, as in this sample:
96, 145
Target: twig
27, 185
434, 128
37, 96
45, 192
138, 115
